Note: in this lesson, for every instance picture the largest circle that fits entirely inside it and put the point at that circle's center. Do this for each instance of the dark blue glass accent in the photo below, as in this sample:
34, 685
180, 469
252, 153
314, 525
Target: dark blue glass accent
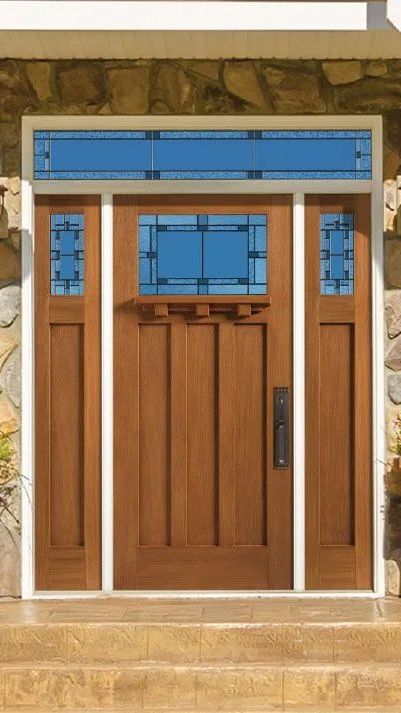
337, 254
202, 254
201, 155
66, 254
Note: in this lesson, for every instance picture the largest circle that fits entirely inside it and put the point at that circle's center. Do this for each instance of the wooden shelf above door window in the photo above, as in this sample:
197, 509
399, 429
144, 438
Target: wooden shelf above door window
202, 305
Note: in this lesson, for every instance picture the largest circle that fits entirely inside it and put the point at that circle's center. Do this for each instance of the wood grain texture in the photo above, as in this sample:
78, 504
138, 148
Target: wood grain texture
67, 421
338, 411
198, 503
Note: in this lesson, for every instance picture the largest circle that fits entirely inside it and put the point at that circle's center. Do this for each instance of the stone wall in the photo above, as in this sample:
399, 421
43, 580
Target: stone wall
262, 87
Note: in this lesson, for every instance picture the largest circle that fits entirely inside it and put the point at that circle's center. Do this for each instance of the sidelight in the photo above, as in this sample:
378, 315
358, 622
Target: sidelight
66, 254
337, 254
203, 254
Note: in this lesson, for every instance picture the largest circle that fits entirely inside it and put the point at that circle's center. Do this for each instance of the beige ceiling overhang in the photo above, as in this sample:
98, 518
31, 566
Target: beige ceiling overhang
132, 29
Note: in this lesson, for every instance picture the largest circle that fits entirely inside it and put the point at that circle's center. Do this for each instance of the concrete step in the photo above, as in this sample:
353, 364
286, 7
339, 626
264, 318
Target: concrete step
226, 687
207, 643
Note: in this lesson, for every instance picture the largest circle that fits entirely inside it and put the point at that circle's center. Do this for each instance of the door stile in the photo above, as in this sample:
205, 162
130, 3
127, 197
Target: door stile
280, 365
126, 392
363, 381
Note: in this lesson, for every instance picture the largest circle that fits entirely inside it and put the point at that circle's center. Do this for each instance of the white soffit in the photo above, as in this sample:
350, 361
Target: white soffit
184, 15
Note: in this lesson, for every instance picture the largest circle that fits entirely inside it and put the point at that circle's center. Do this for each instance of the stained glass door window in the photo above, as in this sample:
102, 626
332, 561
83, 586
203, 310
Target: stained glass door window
337, 254
202, 254
66, 254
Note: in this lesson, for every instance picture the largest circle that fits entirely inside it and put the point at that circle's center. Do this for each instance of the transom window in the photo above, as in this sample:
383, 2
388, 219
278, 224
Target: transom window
202, 155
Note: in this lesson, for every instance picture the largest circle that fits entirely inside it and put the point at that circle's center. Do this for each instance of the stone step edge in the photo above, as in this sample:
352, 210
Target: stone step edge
329, 626
299, 666
318, 709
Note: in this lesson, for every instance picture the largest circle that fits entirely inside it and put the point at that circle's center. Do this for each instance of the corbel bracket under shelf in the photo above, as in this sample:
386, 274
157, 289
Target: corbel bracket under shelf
201, 307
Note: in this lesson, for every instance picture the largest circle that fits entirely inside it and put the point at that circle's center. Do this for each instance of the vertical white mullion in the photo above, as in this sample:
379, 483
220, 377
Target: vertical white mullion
299, 388
378, 385
27, 370
107, 391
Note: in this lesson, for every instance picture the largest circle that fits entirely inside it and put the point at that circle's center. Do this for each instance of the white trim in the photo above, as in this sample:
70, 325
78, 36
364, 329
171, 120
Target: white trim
290, 187
299, 389
184, 122
394, 13
378, 381
27, 370
198, 187
182, 15
107, 392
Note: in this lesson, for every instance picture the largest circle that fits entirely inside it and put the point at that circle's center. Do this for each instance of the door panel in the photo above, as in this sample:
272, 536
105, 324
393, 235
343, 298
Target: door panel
338, 394
198, 502
67, 386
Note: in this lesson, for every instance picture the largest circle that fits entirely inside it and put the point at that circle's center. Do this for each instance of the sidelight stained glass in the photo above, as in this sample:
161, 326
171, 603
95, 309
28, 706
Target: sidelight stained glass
66, 254
337, 254
202, 254
201, 155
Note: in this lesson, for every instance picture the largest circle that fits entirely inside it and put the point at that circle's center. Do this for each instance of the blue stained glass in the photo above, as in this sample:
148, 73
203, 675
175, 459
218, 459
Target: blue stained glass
337, 254
66, 254
202, 254
201, 155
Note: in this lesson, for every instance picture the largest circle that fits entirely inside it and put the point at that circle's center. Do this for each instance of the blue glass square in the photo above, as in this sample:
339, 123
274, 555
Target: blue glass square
67, 241
337, 241
225, 254
179, 254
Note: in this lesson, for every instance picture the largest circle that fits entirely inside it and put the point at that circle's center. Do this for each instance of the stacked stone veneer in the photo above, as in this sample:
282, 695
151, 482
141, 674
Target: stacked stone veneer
205, 87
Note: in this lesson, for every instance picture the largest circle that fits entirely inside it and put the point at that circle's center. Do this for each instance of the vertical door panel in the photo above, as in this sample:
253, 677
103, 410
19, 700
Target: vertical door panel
154, 403
67, 386
198, 501
338, 396
251, 445
202, 483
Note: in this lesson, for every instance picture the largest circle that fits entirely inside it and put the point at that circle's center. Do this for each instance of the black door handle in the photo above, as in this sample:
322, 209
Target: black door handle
281, 428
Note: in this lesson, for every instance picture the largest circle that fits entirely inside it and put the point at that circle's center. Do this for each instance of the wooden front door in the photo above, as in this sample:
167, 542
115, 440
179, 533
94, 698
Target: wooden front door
202, 470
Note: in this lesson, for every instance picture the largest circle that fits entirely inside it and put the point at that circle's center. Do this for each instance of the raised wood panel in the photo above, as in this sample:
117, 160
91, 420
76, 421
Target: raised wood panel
66, 435
337, 500
338, 411
202, 410
67, 423
198, 503
203, 567
154, 405
251, 438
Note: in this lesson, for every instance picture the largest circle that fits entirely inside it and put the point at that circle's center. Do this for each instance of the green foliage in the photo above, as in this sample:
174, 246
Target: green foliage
397, 433
6, 447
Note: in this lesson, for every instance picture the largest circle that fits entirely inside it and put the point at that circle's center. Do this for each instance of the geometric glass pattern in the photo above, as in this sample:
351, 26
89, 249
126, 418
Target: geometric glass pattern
202, 254
66, 254
202, 155
337, 254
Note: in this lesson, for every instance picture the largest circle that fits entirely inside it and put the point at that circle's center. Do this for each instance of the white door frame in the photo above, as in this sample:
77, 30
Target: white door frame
298, 188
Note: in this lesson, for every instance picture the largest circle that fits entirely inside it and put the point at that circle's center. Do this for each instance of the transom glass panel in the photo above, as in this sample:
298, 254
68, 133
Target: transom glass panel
66, 254
337, 254
202, 155
202, 254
